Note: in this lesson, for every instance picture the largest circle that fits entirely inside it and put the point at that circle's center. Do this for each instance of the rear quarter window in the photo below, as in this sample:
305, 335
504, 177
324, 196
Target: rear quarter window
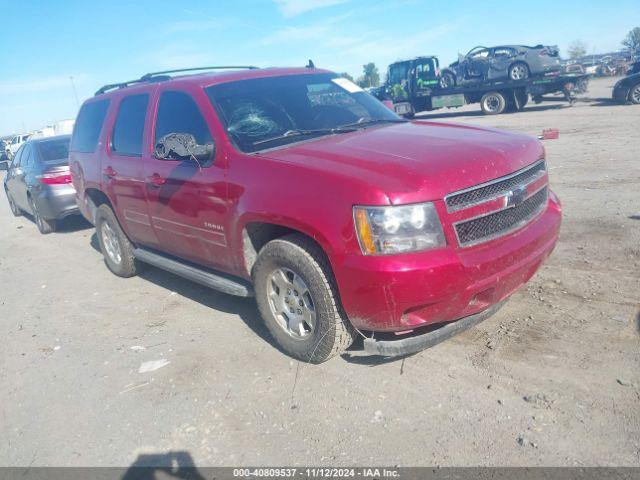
88, 126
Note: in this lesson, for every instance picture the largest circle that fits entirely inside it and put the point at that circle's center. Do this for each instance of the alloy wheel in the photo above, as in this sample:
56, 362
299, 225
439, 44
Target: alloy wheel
518, 72
291, 303
635, 94
111, 243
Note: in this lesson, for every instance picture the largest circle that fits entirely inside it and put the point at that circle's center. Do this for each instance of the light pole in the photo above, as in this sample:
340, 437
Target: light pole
75, 94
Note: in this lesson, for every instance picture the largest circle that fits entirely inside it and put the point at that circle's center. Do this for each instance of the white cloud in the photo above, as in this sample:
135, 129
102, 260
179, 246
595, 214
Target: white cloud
291, 8
39, 85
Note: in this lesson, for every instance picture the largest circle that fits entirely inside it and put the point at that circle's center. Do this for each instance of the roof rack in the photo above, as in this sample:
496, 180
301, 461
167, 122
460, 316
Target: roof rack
164, 75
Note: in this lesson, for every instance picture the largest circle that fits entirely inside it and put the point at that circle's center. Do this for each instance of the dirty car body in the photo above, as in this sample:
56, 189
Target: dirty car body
417, 224
513, 62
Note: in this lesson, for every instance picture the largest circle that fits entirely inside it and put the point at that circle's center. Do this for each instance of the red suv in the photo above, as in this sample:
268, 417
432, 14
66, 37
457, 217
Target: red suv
298, 188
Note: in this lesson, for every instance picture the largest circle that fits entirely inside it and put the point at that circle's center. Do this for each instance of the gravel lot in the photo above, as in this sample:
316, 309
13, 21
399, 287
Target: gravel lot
552, 379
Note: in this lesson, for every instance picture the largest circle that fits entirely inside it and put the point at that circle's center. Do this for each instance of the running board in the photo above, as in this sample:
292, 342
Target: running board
221, 282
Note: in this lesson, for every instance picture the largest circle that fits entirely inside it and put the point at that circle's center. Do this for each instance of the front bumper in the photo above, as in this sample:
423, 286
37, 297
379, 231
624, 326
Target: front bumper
401, 293
416, 343
56, 201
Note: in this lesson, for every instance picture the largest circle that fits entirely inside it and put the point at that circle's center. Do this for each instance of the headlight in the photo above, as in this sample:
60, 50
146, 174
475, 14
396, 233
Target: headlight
398, 229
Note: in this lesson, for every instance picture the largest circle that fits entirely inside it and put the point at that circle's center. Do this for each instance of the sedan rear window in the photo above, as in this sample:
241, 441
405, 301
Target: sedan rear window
54, 151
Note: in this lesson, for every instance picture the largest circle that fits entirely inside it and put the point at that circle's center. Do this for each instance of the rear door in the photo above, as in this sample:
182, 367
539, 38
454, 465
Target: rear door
501, 59
187, 198
122, 166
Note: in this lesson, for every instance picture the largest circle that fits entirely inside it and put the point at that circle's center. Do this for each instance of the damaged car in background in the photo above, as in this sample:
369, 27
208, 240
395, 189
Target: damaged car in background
512, 62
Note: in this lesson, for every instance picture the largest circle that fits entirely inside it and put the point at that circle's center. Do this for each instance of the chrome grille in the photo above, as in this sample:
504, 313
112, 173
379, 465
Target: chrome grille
494, 189
493, 225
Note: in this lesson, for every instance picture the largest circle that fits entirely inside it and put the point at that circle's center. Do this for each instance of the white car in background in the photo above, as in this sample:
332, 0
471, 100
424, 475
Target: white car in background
16, 143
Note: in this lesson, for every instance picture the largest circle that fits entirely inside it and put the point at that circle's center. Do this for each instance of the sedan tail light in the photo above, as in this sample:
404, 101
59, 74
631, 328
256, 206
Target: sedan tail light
59, 177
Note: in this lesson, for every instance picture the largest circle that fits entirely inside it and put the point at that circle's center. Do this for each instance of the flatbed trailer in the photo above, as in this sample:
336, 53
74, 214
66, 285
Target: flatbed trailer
494, 97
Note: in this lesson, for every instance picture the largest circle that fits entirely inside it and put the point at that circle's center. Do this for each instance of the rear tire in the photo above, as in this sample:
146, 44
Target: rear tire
116, 248
634, 94
519, 71
44, 226
292, 274
493, 103
15, 210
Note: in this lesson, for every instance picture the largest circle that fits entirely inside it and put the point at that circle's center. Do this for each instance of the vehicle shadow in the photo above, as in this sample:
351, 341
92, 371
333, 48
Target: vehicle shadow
245, 308
178, 464
635, 217
70, 224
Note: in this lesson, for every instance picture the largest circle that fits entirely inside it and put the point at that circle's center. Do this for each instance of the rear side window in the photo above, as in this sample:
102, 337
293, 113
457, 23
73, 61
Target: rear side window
129, 126
88, 126
178, 113
26, 156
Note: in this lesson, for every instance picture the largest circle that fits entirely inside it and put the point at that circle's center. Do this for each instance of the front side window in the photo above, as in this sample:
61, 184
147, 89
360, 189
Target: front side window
88, 126
268, 112
129, 127
178, 113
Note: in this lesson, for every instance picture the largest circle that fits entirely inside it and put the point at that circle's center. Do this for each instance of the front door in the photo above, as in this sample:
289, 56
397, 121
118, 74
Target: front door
187, 195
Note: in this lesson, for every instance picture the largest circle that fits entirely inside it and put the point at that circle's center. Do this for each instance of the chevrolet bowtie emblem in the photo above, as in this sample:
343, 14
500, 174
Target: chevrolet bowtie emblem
515, 197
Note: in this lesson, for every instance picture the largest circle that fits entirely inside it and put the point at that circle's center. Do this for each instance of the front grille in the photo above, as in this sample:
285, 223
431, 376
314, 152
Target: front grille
482, 229
498, 187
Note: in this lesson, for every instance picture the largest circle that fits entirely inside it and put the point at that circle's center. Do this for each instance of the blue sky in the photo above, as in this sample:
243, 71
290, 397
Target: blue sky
45, 43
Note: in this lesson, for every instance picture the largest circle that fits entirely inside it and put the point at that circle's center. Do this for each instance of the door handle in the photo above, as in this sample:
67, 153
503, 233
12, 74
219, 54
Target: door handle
156, 180
109, 172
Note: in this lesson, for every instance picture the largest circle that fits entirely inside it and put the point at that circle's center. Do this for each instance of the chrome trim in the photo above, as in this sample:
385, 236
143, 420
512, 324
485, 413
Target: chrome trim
513, 228
491, 182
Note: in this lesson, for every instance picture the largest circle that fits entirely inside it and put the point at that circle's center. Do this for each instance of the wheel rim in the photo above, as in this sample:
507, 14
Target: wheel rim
36, 215
111, 243
291, 303
635, 94
445, 81
518, 72
492, 103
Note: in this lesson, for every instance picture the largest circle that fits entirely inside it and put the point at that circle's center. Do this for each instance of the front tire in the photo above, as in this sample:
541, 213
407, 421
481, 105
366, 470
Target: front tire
447, 80
298, 300
634, 94
116, 248
44, 226
519, 71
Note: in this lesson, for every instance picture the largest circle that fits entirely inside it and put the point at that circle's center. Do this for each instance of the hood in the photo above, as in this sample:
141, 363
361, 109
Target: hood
416, 161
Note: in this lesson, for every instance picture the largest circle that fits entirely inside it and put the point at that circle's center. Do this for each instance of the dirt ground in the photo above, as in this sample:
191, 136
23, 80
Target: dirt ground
552, 379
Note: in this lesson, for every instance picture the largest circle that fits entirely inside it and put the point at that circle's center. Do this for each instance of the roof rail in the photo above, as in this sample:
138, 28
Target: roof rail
148, 76
161, 76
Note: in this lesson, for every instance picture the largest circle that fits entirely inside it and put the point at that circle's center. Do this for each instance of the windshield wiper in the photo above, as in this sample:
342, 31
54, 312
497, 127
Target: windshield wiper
301, 133
363, 122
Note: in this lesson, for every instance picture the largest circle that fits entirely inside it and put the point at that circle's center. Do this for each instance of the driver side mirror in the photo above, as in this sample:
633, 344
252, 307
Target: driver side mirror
183, 146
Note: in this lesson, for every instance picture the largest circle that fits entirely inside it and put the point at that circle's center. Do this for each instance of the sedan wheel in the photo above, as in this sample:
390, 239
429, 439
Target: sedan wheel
519, 71
44, 226
634, 95
12, 205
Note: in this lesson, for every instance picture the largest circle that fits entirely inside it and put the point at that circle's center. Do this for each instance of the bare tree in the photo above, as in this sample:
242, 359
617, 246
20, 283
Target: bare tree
632, 40
370, 77
577, 48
